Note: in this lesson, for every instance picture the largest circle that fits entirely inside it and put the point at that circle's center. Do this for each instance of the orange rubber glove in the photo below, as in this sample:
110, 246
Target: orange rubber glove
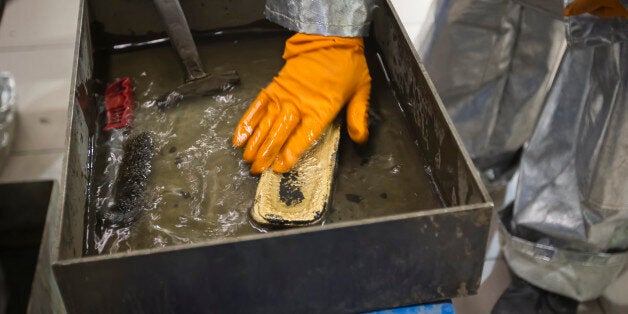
599, 8
320, 76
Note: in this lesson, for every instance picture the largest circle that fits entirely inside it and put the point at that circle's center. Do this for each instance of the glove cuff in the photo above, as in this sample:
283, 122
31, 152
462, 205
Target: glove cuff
301, 43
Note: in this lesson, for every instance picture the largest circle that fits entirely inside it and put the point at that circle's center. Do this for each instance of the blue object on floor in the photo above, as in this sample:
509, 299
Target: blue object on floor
433, 308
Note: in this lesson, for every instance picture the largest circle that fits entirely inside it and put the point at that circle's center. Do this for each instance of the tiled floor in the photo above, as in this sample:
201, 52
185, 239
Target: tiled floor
37, 46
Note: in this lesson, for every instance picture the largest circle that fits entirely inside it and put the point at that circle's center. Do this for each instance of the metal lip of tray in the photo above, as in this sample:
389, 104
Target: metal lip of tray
348, 266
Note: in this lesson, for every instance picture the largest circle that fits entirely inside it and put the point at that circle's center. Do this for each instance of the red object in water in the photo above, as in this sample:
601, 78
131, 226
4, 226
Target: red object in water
119, 101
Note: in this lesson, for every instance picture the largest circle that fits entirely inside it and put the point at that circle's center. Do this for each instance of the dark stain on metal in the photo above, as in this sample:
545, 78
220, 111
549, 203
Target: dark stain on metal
290, 189
354, 198
278, 221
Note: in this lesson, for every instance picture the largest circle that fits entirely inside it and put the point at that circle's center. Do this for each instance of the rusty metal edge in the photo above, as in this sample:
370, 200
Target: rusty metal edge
61, 200
443, 111
311, 229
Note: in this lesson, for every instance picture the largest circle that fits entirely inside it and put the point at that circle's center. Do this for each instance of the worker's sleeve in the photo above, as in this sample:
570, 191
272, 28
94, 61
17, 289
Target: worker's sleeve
553, 8
587, 30
345, 18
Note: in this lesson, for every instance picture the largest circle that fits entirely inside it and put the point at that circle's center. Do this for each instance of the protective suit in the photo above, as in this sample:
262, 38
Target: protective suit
509, 72
492, 63
345, 18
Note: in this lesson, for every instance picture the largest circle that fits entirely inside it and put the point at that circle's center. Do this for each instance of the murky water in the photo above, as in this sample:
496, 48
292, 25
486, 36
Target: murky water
199, 187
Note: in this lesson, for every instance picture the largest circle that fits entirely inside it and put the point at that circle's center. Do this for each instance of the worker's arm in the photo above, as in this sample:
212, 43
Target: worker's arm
321, 75
325, 70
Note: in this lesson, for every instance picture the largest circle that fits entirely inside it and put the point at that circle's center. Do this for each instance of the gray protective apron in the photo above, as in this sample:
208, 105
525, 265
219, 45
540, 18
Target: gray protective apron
507, 76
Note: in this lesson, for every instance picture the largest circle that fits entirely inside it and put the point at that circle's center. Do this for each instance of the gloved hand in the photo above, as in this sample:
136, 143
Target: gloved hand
320, 76
600, 8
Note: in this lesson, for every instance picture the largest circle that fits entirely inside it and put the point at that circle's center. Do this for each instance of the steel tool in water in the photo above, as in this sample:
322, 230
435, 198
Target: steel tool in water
198, 82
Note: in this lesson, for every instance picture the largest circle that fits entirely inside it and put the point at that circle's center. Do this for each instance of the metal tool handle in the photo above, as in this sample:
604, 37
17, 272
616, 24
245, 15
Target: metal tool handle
181, 37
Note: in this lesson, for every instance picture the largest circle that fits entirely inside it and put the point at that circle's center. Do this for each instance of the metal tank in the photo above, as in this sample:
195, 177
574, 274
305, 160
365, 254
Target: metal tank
349, 266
